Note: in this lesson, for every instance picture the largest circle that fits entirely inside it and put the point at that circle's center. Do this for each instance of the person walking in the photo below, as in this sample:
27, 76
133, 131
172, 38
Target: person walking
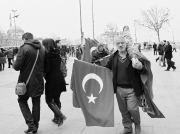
127, 85
163, 57
161, 52
168, 57
24, 62
155, 48
174, 47
2, 60
79, 52
10, 57
55, 81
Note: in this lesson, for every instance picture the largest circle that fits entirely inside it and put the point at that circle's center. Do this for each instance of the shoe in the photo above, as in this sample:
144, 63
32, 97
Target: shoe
63, 117
30, 130
125, 132
156, 60
55, 120
60, 121
163, 66
166, 70
137, 129
56, 111
174, 68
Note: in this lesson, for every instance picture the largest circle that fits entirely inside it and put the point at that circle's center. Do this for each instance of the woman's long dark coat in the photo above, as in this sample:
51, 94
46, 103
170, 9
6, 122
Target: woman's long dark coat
55, 82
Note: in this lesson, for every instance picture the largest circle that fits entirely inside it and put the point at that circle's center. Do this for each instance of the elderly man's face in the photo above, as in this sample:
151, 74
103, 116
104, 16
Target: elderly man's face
121, 46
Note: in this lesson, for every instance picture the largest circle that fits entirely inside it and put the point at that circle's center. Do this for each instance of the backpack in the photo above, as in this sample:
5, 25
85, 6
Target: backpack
63, 67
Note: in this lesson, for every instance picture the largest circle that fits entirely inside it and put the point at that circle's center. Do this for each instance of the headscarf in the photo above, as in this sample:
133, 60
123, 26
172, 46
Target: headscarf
49, 44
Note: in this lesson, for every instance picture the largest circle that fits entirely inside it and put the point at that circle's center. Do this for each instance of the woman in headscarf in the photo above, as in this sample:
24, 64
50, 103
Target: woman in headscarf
55, 81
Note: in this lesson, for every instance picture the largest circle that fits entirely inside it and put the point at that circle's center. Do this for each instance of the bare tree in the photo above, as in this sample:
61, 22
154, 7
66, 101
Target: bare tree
155, 18
111, 31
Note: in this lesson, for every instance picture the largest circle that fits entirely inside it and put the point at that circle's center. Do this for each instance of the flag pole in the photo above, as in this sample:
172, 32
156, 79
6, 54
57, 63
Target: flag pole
93, 19
81, 24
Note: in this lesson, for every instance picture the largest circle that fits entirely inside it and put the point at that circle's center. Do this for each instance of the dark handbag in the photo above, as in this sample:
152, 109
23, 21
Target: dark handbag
21, 86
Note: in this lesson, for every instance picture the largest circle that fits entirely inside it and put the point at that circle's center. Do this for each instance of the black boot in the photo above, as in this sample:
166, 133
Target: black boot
55, 119
57, 112
62, 115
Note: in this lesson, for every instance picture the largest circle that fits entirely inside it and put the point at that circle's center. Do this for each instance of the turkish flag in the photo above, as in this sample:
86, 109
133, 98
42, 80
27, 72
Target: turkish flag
93, 92
104, 60
86, 52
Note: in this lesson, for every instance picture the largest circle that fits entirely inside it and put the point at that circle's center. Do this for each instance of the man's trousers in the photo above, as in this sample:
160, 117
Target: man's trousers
128, 105
32, 119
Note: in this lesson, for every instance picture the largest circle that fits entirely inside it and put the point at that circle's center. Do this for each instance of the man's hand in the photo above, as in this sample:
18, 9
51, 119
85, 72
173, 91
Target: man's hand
137, 64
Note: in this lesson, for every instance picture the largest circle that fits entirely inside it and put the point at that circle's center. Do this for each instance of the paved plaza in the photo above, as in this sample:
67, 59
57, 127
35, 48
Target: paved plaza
166, 85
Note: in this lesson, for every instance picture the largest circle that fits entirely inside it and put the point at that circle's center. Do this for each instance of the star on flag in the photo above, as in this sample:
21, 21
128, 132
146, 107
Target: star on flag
91, 98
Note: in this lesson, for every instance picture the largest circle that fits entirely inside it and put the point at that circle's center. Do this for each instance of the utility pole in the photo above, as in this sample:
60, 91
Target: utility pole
81, 24
135, 31
93, 19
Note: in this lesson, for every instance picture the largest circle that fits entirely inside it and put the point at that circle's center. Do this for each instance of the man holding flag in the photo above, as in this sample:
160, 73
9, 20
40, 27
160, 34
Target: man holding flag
127, 85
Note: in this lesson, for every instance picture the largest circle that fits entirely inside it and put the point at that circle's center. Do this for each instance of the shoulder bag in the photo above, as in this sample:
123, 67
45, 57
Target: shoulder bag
21, 86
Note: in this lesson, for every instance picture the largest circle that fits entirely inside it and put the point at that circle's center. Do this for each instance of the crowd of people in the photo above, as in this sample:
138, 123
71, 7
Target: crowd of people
165, 49
9, 54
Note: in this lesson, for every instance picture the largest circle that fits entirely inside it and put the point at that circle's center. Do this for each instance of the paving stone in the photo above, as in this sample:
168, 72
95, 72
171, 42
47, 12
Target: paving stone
100, 130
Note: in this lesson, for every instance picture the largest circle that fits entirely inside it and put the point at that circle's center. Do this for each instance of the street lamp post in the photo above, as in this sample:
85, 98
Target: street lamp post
135, 30
15, 16
82, 34
14, 27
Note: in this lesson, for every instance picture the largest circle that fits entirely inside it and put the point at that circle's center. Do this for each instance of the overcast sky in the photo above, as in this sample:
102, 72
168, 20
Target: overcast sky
47, 18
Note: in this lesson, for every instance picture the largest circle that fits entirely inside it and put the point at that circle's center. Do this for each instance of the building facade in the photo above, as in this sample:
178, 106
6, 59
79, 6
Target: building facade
13, 37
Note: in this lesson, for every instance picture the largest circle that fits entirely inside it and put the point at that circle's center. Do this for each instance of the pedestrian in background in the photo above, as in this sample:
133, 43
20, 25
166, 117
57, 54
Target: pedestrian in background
24, 62
2, 60
160, 51
168, 57
174, 47
79, 52
10, 56
155, 48
100, 53
55, 81
163, 57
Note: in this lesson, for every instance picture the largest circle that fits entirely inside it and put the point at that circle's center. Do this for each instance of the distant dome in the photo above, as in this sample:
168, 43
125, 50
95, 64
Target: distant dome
12, 30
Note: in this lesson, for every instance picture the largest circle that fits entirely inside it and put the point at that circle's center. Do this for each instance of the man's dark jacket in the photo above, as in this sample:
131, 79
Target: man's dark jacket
168, 52
133, 74
24, 62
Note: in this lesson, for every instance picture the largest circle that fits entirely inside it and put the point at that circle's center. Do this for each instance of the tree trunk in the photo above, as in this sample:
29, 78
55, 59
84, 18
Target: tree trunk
158, 36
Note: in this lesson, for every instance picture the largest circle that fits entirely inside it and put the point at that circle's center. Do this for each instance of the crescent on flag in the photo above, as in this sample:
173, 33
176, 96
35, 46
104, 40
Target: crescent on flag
92, 76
